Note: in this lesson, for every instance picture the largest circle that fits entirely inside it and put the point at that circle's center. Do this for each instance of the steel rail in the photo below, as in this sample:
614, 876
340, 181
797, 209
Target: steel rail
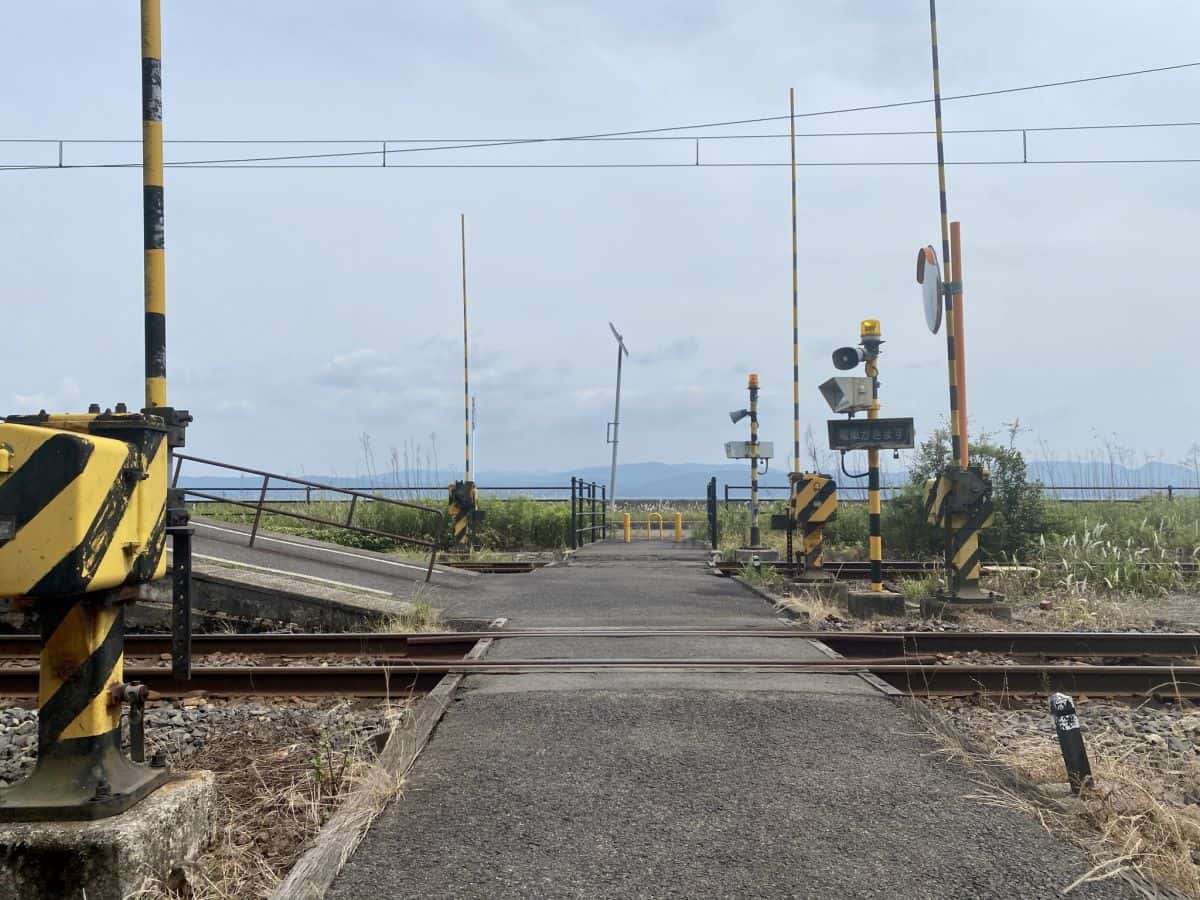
498, 567
853, 568
445, 646
391, 644
397, 681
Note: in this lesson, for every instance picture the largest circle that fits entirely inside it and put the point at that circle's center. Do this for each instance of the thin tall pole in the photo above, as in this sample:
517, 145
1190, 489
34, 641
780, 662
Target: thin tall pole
870, 333
958, 440
795, 300
960, 350
755, 535
466, 370
154, 253
612, 474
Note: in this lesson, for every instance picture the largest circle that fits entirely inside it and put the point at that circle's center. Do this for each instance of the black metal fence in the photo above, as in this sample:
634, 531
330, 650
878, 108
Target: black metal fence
714, 538
306, 493
589, 504
354, 496
1100, 493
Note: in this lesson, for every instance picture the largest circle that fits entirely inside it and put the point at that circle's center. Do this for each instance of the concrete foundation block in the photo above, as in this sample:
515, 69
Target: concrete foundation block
835, 592
865, 604
764, 554
935, 608
141, 852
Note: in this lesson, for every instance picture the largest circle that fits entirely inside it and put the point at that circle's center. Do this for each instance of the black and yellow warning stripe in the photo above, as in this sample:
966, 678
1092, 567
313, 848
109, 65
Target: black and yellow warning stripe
948, 301
82, 658
814, 502
464, 502
88, 511
965, 563
875, 539
152, 206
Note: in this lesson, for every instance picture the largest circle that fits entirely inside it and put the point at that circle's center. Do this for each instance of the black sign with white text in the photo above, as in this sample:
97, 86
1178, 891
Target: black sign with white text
868, 434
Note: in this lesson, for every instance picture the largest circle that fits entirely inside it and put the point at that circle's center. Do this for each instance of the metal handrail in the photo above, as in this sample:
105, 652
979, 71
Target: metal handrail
348, 524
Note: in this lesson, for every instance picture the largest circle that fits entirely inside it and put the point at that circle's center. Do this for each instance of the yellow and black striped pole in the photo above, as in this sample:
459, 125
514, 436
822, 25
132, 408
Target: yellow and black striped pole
755, 535
958, 440
152, 206
871, 336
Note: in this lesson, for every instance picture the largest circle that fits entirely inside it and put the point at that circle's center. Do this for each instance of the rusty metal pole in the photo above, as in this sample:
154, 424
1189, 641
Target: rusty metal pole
960, 353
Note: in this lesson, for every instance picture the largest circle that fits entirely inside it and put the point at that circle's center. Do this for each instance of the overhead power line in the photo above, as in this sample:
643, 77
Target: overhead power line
661, 165
247, 162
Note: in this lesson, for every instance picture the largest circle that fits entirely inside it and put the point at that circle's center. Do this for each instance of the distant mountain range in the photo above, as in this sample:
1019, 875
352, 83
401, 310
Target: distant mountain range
688, 480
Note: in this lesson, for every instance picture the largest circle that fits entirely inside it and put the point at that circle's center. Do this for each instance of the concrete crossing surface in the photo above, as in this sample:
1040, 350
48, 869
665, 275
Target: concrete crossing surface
674, 784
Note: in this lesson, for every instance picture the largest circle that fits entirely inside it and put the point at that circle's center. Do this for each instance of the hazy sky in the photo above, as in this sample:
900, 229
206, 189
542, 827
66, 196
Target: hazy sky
308, 307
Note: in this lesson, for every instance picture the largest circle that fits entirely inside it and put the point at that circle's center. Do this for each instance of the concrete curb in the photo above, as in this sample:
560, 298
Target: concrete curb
315, 871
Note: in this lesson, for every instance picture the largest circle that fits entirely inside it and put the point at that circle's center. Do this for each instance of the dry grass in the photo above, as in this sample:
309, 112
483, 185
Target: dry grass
809, 606
277, 785
420, 616
1122, 822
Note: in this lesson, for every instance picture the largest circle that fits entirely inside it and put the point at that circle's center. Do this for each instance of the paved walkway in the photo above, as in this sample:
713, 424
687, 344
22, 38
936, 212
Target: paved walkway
679, 785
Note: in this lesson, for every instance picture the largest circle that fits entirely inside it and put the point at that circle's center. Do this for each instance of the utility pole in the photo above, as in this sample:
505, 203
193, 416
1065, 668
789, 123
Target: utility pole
462, 219
755, 534
614, 426
871, 336
464, 499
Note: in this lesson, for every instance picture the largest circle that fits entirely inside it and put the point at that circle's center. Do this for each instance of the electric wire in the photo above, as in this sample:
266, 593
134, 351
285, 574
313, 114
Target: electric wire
249, 161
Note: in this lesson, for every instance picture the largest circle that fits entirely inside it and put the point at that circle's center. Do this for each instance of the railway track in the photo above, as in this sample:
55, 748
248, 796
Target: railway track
859, 568
413, 663
920, 679
498, 567
383, 645
856, 644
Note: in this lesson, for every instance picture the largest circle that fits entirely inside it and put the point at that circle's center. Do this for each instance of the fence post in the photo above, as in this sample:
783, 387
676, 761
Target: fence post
604, 511
712, 511
350, 515
678, 528
574, 533
262, 496
1170, 492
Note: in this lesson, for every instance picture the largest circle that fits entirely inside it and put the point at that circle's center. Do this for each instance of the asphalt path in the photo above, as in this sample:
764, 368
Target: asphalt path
652, 784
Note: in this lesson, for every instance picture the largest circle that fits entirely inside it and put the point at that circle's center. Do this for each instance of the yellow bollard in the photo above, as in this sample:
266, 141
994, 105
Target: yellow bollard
678, 528
627, 524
